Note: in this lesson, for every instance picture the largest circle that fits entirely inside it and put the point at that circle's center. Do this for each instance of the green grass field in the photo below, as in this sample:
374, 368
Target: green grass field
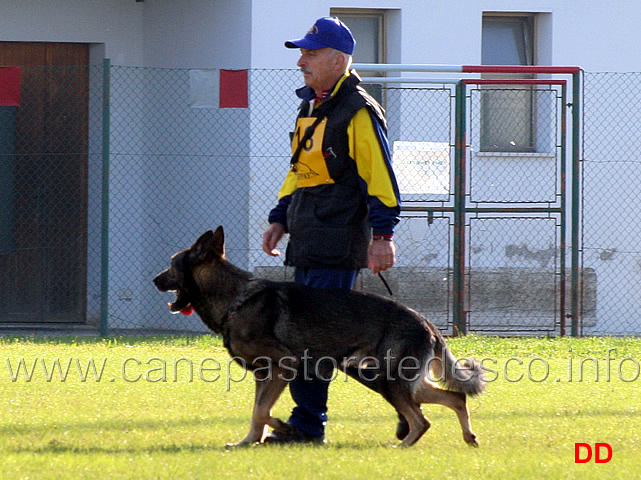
163, 408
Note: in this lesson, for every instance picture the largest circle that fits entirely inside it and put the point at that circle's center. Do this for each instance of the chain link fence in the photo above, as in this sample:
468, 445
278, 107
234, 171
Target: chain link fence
611, 199
100, 189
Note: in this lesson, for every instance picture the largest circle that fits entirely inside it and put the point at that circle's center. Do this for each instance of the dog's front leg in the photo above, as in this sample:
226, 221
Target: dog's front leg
268, 389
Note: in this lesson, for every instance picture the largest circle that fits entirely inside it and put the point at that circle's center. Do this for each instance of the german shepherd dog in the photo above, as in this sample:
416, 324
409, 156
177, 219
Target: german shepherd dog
278, 329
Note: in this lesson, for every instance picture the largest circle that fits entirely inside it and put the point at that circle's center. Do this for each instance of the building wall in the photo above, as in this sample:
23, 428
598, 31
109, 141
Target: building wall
250, 34
115, 24
592, 34
246, 34
148, 143
198, 34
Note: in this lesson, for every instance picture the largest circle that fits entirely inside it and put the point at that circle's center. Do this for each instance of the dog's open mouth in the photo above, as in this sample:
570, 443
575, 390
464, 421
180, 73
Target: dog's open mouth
182, 304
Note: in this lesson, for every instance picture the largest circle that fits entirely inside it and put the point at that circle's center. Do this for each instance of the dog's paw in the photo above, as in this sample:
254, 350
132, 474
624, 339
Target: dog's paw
401, 445
241, 444
472, 441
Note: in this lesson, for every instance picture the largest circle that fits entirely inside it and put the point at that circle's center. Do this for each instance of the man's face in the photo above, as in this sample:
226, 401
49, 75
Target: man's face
321, 68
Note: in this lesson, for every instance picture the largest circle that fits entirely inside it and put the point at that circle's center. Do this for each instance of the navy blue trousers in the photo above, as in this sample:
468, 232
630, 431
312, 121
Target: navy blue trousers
310, 396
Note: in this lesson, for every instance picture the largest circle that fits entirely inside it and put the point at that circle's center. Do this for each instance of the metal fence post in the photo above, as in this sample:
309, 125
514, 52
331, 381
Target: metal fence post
104, 242
576, 199
458, 275
563, 215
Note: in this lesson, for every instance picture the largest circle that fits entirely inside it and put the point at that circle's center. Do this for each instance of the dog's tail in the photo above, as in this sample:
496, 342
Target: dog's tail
462, 375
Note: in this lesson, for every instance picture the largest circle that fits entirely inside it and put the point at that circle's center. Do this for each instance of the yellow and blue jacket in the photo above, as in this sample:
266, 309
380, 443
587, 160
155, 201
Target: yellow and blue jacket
341, 186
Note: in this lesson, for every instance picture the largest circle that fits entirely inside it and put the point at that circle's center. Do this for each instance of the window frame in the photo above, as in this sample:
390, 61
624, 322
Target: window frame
344, 14
528, 134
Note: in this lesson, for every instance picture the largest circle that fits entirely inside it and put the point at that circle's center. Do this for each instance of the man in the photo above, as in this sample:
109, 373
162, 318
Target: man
340, 201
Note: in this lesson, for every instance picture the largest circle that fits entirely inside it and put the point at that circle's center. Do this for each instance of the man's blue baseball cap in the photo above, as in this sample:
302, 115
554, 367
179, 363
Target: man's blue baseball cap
327, 32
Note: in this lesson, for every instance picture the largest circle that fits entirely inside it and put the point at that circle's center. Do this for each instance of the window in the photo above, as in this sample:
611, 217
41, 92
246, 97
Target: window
507, 40
508, 112
367, 26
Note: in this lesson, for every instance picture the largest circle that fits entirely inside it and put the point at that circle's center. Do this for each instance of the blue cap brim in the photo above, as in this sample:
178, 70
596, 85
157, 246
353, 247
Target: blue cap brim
304, 43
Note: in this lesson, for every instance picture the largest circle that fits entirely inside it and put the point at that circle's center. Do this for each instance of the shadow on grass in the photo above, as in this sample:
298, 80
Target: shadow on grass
122, 425
60, 447
596, 413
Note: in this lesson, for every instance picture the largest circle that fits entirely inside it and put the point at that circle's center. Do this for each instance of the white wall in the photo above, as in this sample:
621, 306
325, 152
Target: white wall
115, 23
160, 33
197, 34
250, 34
593, 34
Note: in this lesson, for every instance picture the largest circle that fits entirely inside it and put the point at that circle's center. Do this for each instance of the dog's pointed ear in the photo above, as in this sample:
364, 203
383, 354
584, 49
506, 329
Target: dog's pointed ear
219, 241
209, 244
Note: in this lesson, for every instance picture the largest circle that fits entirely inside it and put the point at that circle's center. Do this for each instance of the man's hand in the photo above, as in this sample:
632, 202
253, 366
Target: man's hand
271, 237
382, 255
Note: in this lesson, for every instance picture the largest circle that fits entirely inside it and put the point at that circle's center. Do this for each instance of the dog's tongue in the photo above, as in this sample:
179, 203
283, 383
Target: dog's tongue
186, 310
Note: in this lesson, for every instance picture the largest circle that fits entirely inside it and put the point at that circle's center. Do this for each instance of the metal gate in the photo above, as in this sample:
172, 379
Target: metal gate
503, 179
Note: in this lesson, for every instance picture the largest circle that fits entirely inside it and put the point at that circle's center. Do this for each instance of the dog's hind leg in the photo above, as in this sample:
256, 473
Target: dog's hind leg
428, 392
268, 389
400, 398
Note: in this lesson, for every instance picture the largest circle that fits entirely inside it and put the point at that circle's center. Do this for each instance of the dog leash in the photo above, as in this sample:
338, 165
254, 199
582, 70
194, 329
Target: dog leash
380, 275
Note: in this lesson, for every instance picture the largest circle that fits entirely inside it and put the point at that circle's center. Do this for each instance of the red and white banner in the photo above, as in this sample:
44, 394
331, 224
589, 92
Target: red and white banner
9, 86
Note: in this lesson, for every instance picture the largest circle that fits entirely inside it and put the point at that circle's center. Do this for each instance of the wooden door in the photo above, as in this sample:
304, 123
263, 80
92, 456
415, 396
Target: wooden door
43, 265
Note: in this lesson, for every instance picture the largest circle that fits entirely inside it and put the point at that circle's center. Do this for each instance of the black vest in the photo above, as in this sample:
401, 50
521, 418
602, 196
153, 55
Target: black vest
328, 224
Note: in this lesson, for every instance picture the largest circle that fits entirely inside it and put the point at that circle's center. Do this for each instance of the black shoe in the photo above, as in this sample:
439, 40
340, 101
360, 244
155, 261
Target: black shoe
292, 435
